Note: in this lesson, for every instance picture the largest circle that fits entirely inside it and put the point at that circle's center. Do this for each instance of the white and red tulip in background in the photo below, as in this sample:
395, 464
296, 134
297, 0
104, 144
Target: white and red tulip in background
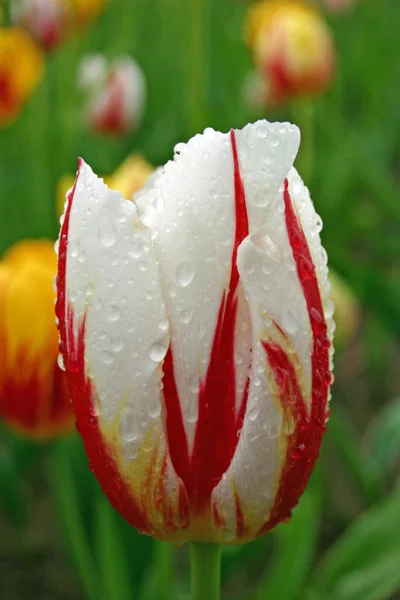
196, 333
116, 93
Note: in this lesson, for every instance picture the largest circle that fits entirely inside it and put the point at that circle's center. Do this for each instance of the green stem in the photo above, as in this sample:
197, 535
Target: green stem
64, 491
196, 65
205, 562
163, 563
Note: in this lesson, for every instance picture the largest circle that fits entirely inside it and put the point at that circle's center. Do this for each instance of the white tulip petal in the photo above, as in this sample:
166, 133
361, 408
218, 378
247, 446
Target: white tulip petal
279, 312
112, 278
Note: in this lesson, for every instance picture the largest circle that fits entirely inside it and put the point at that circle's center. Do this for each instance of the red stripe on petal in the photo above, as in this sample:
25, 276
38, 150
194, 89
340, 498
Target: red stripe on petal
309, 426
72, 347
219, 422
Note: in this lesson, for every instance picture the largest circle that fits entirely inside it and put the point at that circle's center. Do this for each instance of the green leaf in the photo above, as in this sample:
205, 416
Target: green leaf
65, 494
363, 564
158, 583
295, 547
112, 558
382, 439
12, 501
364, 470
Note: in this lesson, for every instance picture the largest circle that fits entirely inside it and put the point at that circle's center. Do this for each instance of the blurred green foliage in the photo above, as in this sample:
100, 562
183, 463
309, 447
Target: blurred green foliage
343, 540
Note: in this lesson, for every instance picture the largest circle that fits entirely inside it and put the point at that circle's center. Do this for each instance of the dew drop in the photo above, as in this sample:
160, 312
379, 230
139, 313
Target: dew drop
136, 251
154, 410
262, 130
107, 234
116, 343
157, 352
60, 362
249, 267
329, 307
172, 290
107, 357
73, 247
163, 325
186, 316
184, 274
290, 321
257, 381
114, 313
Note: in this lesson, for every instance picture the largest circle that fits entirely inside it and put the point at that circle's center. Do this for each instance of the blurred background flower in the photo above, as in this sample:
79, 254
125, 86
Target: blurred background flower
292, 47
51, 21
33, 392
338, 5
116, 93
21, 67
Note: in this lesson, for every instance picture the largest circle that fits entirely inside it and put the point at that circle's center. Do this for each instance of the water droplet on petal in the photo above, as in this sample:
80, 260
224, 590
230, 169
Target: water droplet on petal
184, 274
116, 343
163, 325
329, 307
60, 362
107, 357
289, 321
114, 313
186, 316
157, 352
107, 234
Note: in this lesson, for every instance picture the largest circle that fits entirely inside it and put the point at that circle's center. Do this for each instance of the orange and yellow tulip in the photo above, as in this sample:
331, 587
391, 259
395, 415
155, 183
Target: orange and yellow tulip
21, 67
33, 391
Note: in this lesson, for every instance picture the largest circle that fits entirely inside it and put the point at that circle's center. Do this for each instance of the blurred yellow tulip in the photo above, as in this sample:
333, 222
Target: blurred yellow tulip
34, 398
128, 178
292, 47
84, 11
21, 67
347, 310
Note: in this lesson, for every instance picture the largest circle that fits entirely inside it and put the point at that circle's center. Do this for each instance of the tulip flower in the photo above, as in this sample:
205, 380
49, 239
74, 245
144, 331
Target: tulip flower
21, 67
33, 390
51, 21
292, 48
46, 21
196, 331
116, 94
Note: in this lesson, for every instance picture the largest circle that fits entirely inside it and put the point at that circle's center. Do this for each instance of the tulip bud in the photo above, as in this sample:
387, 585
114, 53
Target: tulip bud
33, 389
196, 333
51, 21
292, 47
116, 94
21, 67
46, 20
